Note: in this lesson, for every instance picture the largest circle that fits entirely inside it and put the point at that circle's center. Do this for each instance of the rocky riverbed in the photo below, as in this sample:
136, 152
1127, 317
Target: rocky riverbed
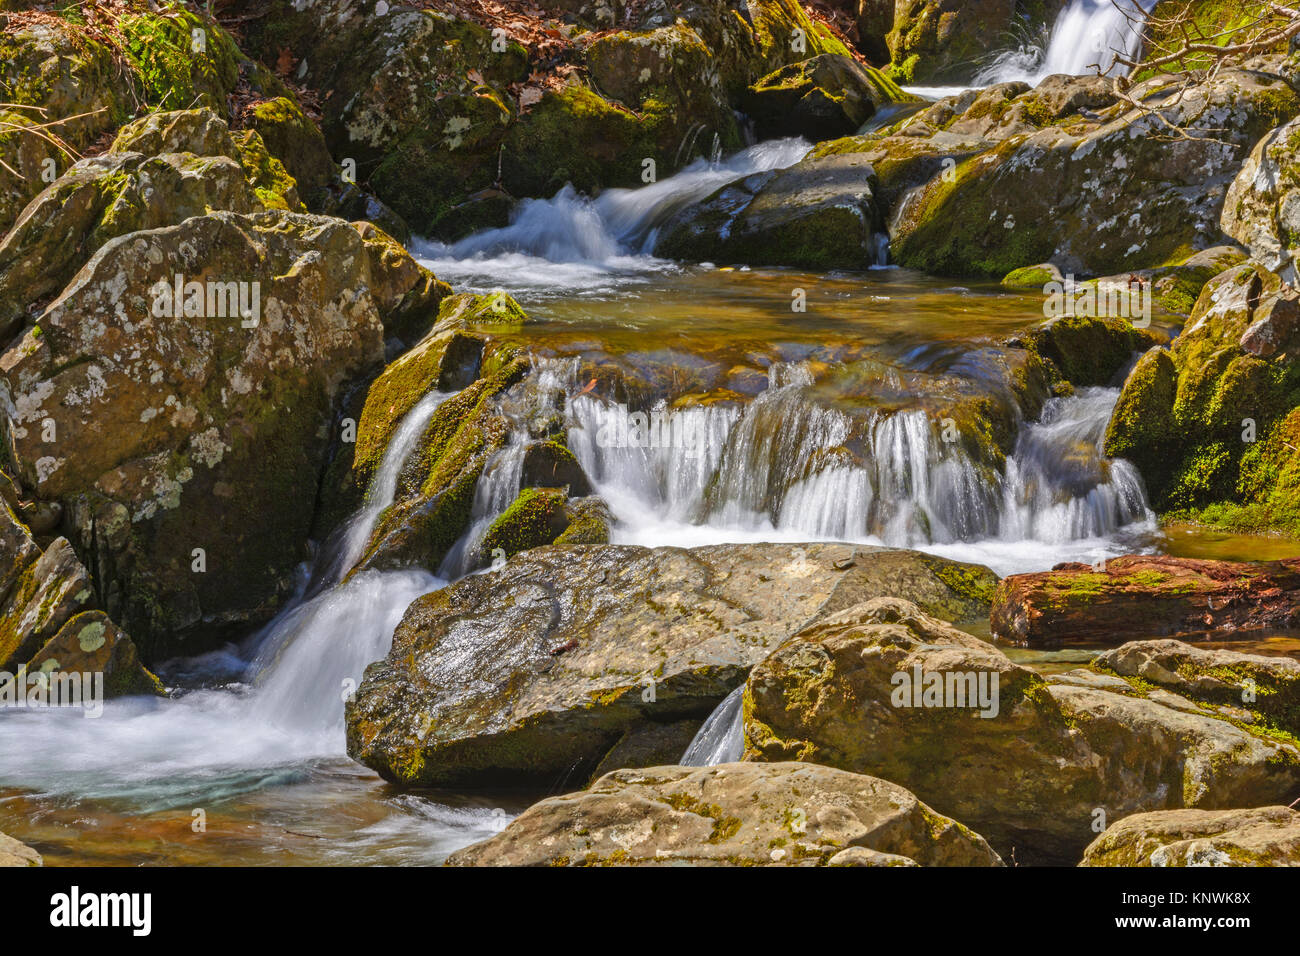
567, 433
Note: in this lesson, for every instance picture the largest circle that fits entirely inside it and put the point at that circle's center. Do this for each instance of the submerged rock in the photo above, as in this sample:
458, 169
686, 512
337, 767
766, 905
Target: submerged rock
884, 689
735, 814
1263, 836
536, 670
1139, 596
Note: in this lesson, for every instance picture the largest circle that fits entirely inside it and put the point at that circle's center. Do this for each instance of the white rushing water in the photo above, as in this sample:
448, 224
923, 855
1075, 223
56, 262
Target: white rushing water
573, 243
1086, 38
283, 711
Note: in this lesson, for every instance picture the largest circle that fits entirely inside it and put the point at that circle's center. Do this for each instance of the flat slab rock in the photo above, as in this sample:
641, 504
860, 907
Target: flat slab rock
1145, 596
533, 672
735, 814
1262, 836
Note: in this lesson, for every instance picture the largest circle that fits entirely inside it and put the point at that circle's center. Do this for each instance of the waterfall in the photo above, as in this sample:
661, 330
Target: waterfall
1087, 35
720, 738
790, 468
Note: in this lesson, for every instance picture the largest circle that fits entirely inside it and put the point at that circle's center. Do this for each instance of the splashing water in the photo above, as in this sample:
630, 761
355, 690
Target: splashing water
1088, 36
570, 242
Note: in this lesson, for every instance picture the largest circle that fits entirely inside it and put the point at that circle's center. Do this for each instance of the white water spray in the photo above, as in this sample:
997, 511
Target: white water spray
1087, 37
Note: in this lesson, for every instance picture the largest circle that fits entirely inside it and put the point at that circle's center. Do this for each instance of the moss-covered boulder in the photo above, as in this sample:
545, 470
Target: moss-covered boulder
292, 138
180, 58
1032, 763
738, 814
181, 460
54, 75
565, 649
1211, 425
1262, 836
533, 519
819, 98
1088, 349
100, 199
199, 131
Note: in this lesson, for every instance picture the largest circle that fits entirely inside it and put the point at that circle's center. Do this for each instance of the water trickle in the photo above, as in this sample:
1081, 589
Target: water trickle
721, 737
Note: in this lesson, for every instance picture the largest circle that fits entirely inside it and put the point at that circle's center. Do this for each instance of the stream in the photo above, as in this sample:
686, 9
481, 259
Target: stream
245, 764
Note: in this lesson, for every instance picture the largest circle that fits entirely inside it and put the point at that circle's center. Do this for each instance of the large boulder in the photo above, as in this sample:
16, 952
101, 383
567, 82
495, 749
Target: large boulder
1263, 836
535, 670
180, 432
1067, 193
1143, 596
737, 814
1032, 763
819, 214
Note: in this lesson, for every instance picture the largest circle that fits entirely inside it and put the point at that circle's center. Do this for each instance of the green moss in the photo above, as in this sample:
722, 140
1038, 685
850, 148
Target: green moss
535, 518
174, 75
274, 187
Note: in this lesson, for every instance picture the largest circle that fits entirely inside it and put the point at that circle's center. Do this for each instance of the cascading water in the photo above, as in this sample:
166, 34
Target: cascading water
208, 745
781, 468
615, 232
1087, 36
721, 738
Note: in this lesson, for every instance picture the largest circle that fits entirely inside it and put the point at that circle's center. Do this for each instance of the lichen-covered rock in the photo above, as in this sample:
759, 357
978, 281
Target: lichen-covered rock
819, 98
298, 143
13, 853
198, 131
90, 644
535, 670
99, 199
1263, 691
883, 689
1262, 208
1212, 425
737, 814
1262, 836
179, 431
45, 594
1145, 595
1021, 202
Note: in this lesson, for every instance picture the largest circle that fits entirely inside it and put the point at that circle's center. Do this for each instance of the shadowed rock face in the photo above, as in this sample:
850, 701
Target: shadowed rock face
736, 814
1031, 775
533, 672
1143, 596
1264, 836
